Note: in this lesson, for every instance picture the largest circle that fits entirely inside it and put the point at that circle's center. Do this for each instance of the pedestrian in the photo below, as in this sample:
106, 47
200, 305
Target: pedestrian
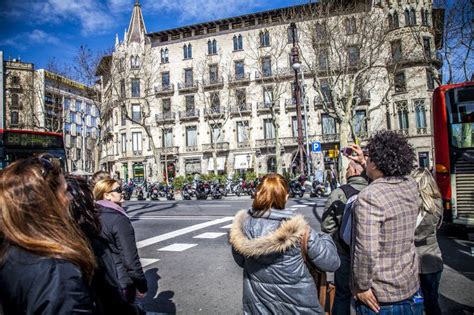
105, 284
98, 176
119, 232
428, 222
266, 243
383, 256
331, 224
45, 262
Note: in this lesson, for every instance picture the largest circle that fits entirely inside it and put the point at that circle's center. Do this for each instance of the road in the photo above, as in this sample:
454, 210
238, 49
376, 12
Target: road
190, 270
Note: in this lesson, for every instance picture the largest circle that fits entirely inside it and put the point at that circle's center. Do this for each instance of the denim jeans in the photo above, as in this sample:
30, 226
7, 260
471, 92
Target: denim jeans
342, 279
429, 287
405, 307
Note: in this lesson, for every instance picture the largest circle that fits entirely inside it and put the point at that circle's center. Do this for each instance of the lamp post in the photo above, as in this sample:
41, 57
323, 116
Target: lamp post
248, 160
296, 65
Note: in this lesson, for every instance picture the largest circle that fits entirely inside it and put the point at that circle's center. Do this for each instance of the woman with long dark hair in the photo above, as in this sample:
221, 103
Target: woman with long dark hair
46, 263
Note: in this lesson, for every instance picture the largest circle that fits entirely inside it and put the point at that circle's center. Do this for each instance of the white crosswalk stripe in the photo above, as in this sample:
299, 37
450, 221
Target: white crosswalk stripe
177, 247
147, 261
226, 227
299, 206
209, 235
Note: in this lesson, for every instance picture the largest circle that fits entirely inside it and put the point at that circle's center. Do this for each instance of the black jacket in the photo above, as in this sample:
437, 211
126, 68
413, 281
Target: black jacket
32, 284
118, 231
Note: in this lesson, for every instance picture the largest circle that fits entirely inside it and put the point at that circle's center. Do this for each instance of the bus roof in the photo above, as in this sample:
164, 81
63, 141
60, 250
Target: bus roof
32, 132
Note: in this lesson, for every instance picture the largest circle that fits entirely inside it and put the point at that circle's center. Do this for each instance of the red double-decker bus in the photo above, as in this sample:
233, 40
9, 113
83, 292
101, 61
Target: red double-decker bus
20, 144
453, 126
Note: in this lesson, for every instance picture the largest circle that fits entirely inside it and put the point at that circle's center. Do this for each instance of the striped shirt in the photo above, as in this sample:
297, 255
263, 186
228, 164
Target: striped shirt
383, 254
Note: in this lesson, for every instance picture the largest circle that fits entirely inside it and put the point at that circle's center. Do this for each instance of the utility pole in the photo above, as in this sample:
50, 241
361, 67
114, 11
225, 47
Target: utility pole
296, 65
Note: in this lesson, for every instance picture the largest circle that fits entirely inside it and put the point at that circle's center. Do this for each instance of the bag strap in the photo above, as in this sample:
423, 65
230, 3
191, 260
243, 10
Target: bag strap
349, 191
304, 245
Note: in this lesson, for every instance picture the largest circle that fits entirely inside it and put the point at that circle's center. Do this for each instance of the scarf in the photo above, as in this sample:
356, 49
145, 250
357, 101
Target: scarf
112, 205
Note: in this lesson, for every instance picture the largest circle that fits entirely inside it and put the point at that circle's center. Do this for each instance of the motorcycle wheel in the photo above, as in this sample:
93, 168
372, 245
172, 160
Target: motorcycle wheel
301, 194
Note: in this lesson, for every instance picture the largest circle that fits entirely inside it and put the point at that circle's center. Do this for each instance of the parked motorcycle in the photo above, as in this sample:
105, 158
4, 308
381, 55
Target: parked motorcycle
317, 189
169, 191
140, 193
216, 192
201, 189
296, 189
154, 192
127, 192
187, 191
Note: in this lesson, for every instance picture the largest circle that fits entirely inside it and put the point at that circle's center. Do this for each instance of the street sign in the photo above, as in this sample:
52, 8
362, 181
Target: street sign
316, 147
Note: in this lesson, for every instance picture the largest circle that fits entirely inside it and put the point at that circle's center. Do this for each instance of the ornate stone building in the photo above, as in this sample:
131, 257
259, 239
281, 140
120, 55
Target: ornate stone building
219, 96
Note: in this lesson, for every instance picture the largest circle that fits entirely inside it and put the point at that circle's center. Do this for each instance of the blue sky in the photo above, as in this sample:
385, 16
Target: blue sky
38, 31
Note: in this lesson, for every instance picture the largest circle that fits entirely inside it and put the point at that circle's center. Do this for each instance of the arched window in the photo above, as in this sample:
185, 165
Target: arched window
167, 55
292, 34
240, 42
188, 51
425, 17
137, 61
412, 16
264, 39
390, 21
407, 17
234, 39
350, 25
214, 46
209, 47
15, 101
237, 42
132, 62
396, 24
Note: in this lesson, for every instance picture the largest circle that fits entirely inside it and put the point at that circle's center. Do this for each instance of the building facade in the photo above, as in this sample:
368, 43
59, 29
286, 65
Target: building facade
220, 96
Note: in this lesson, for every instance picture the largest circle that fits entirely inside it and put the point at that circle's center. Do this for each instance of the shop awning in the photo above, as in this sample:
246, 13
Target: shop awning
220, 163
241, 163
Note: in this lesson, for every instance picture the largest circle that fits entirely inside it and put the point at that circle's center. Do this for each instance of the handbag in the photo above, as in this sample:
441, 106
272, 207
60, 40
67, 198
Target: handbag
325, 289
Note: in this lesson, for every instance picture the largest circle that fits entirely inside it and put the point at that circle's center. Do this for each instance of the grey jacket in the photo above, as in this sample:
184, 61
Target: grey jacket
334, 209
276, 279
426, 242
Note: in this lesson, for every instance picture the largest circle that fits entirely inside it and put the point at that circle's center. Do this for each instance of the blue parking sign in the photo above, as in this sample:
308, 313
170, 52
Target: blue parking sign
316, 147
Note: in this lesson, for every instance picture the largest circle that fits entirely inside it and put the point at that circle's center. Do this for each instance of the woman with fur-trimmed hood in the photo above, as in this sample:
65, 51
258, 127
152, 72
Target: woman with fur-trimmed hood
266, 244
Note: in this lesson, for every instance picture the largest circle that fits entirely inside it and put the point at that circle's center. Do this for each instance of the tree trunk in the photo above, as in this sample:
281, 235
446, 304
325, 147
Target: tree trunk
214, 158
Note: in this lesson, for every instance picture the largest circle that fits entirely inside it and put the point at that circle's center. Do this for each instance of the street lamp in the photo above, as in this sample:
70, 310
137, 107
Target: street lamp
296, 66
248, 160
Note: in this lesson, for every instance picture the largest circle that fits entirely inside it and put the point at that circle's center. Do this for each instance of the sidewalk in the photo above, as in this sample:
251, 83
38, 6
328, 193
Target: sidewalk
457, 281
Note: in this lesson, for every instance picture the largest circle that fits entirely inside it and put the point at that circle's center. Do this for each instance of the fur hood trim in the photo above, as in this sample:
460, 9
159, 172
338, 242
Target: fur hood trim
286, 236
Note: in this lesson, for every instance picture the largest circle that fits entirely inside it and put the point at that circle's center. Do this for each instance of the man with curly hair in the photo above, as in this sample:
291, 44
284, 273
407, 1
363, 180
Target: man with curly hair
383, 257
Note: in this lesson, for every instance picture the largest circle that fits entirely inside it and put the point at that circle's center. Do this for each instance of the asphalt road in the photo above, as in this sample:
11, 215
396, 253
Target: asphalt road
190, 269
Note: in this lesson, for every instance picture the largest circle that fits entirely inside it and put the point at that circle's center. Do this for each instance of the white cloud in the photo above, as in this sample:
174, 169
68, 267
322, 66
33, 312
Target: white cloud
201, 10
28, 39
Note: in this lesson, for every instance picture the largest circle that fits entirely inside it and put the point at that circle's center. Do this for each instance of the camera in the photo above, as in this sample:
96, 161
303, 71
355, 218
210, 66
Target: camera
347, 151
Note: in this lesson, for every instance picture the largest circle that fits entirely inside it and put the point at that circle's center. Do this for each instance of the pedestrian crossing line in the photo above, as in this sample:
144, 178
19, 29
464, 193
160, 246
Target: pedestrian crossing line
226, 227
299, 206
147, 261
209, 235
189, 229
177, 247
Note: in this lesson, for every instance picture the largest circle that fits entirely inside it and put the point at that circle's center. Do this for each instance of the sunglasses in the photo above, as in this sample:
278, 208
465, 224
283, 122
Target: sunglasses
117, 190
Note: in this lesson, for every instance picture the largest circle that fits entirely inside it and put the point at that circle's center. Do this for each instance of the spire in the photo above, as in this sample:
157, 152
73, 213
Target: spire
136, 28
116, 40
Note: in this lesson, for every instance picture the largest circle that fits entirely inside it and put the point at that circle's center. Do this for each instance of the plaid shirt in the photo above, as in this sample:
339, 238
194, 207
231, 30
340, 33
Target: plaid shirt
383, 252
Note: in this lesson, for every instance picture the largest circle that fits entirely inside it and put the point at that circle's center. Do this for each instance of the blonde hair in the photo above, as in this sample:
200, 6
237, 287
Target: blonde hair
429, 190
102, 187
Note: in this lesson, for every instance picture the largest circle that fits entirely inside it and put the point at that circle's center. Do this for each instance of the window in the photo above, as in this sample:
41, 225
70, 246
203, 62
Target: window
88, 108
15, 80
14, 118
187, 51
268, 129
78, 106
423, 159
191, 136
268, 96
137, 142
216, 133
402, 112
189, 99
164, 53
427, 47
240, 97
188, 77
67, 103
323, 59
15, 101
123, 118
94, 122
67, 128
350, 25
135, 87
124, 142
410, 17
242, 131
212, 47
326, 91
213, 74
320, 31
353, 54
430, 82
266, 66
388, 119
79, 130
292, 34
166, 106
393, 22
425, 17
165, 80
239, 69
167, 138
328, 124
294, 124
396, 47
400, 83
264, 38
360, 123
122, 88
420, 115
135, 62
72, 117
215, 102
238, 43
136, 113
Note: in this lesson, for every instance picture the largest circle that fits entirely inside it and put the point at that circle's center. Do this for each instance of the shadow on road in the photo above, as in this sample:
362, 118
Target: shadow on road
154, 303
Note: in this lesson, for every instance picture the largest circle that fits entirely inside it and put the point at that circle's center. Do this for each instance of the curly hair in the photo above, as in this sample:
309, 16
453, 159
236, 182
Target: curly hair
391, 153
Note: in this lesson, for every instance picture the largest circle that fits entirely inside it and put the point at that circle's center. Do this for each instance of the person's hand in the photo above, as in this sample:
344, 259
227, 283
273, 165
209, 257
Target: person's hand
357, 155
369, 299
140, 295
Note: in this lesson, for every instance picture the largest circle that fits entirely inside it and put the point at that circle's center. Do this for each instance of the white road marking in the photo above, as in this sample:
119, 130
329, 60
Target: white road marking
177, 247
147, 261
209, 235
299, 206
192, 228
226, 227
177, 218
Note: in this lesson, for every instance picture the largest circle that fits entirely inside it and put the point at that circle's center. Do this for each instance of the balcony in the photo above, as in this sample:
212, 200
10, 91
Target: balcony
164, 118
191, 148
266, 106
219, 146
137, 153
415, 59
168, 150
329, 137
164, 90
421, 131
241, 109
264, 76
243, 145
190, 86
403, 132
265, 143
213, 83
189, 114
319, 102
239, 79
215, 112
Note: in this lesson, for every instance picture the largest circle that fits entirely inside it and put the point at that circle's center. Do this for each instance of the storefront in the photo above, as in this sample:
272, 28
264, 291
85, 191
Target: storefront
138, 172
